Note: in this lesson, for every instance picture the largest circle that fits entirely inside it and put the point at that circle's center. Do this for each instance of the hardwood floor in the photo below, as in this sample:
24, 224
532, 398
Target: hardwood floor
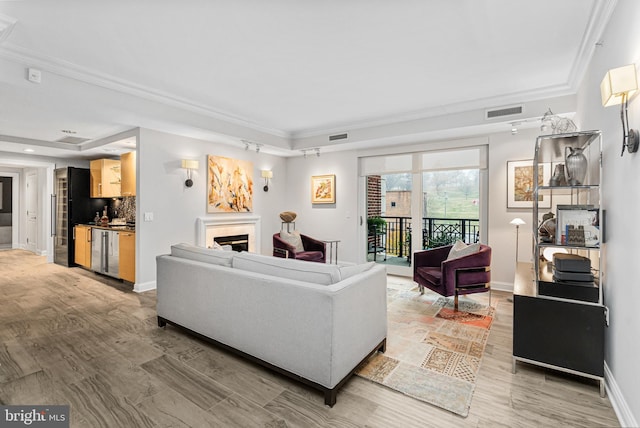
69, 336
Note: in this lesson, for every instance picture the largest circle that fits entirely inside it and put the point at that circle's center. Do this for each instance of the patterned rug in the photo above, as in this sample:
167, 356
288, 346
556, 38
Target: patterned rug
433, 352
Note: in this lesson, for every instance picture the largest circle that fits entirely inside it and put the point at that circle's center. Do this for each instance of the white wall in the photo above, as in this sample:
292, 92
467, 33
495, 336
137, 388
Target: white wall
175, 208
326, 221
505, 147
621, 200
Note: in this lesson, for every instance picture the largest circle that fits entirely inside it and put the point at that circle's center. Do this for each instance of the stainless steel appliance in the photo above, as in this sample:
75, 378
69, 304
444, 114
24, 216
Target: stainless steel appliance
105, 251
70, 205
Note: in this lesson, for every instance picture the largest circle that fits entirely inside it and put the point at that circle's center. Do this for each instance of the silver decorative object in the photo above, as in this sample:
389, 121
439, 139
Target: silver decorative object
576, 165
556, 124
559, 177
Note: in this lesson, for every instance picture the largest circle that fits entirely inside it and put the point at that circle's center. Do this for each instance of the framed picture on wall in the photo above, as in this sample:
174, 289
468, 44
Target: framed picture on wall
230, 185
520, 184
323, 189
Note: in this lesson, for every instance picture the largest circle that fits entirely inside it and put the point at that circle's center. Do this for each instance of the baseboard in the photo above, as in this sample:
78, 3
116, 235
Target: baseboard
502, 286
620, 406
145, 286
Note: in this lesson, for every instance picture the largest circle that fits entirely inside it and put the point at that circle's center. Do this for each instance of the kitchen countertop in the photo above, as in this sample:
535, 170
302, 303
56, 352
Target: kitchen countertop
127, 227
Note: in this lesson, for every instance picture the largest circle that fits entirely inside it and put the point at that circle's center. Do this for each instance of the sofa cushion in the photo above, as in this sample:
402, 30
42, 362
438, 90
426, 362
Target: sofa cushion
460, 249
201, 254
431, 274
317, 273
349, 271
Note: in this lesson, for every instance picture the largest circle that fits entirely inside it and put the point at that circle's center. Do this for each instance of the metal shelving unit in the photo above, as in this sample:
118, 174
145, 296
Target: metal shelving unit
558, 324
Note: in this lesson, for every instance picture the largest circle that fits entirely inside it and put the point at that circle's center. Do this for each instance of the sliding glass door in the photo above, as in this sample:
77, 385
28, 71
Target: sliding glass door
422, 200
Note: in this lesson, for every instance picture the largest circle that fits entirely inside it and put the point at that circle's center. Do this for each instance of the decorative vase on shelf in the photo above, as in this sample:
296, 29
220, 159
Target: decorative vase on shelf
576, 165
558, 178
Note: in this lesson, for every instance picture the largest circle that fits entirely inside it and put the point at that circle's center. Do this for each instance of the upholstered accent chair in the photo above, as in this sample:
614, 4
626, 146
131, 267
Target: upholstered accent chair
287, 246
452, 276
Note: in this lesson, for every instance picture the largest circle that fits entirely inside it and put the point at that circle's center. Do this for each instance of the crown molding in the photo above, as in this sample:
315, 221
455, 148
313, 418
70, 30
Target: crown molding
465, 106
40, 143
6, 25
73, 71
598, 20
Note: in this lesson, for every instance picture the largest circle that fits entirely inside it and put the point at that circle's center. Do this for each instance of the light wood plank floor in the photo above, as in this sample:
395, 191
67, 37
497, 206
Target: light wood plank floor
69, 336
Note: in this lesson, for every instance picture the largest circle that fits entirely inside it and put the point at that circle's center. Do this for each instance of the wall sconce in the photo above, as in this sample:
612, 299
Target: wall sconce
189, 165
616, 88
266, 174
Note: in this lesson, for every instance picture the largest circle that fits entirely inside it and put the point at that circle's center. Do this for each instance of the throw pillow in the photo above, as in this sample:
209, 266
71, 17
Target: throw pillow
294, 239
460, 249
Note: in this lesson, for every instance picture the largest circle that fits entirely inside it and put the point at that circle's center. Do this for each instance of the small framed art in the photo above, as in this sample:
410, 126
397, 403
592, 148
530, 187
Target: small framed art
520, 185
323, 189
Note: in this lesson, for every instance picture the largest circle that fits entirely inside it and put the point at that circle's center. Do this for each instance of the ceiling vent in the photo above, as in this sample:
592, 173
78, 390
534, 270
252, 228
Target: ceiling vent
72, 140
504, 111
337, 137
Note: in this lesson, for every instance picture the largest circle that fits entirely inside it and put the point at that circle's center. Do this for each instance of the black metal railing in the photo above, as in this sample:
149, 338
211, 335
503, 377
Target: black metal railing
394, 238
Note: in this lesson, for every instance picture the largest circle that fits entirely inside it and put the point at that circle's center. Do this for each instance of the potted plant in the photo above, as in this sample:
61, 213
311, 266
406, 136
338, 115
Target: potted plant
376, 222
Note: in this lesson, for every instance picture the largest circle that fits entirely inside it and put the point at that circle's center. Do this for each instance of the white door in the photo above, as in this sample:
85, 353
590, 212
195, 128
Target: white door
32, 211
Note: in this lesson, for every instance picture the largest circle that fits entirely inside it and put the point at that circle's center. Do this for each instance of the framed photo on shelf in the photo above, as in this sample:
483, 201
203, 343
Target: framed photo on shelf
520, 184
323, 189
578, 225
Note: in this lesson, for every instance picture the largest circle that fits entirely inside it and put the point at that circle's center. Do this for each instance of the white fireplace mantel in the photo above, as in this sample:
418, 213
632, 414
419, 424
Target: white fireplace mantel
208, 228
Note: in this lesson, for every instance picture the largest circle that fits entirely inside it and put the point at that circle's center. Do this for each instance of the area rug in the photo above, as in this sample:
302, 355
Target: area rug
433, 352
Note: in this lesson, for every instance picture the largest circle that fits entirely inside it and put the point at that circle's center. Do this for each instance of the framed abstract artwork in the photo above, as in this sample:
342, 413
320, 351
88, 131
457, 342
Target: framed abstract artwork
520, 184
229, 185
323, 189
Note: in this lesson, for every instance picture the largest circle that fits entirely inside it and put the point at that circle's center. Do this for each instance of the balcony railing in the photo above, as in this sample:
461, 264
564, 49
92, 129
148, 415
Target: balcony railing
395, 237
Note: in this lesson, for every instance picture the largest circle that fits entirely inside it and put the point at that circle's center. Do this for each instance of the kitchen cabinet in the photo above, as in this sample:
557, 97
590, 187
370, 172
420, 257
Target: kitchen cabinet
128, 166
128, 256
105, 178
82, 245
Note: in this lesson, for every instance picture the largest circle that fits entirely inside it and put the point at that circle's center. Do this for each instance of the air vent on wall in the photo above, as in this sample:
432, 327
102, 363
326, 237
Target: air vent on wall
338, 137
504, 111
72, 140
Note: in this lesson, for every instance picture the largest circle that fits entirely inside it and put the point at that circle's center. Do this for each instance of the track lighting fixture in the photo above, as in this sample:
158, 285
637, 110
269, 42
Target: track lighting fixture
248, 144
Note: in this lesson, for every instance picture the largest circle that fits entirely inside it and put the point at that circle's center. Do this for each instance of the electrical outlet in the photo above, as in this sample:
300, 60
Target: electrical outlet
148, 216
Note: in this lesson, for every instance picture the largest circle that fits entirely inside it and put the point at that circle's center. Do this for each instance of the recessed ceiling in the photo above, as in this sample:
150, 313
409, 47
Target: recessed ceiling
283, 69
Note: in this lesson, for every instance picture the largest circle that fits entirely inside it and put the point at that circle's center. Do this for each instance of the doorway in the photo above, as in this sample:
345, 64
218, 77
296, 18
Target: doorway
32, 212
6, 213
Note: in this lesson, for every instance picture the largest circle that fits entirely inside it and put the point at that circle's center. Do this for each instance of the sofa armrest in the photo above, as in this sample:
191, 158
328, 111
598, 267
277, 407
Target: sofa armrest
280, 247
280, 252
359, 319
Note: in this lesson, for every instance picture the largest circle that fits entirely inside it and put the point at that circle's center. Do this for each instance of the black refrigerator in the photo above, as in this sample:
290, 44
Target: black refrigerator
71, 205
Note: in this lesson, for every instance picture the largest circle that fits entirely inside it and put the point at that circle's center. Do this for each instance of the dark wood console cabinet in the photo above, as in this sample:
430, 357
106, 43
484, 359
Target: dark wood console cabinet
557, 333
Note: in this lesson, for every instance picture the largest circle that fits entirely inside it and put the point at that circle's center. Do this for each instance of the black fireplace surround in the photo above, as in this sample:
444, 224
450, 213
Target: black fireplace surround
237, 242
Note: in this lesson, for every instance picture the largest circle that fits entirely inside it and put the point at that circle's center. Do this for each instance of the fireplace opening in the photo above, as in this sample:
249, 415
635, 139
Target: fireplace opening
237, 242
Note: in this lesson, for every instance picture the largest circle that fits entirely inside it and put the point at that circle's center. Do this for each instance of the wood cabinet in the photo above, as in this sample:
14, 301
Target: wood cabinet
105, 178
128, 165
82, 245
127, 243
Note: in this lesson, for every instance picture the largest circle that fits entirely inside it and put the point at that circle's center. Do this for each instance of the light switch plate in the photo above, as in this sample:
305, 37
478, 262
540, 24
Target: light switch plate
148, 216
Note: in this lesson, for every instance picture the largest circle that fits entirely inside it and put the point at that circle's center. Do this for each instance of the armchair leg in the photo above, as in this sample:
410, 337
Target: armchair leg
455, 302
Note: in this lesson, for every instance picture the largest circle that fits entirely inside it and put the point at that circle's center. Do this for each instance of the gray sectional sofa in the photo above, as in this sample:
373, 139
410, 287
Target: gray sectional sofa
314, 322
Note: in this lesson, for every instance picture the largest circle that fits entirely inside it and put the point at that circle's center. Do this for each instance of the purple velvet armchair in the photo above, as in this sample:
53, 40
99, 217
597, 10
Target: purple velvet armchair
463, 275
314, 250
